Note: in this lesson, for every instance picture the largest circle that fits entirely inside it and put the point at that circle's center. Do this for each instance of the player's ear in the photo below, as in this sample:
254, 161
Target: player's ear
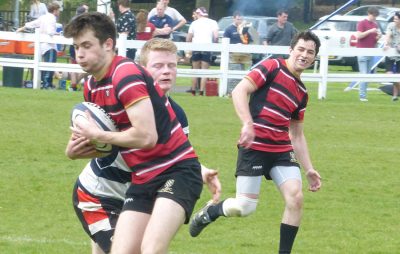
108, 44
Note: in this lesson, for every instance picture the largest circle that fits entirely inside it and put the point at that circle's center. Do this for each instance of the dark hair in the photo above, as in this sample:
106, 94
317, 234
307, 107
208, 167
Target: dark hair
306, 36
236, 14
281, 11
397, 13
102, 26
124, 3
52, 7
373, 11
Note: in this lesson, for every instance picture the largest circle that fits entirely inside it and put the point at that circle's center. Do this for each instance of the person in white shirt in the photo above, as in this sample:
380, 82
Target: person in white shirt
202, 30
47, 26
172, 12
37, 9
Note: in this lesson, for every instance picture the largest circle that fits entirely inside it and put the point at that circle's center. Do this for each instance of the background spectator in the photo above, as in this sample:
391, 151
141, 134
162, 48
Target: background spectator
202, 30
47, 25
126, 24
281, 33
37, 9
172, 12
368, 34
392, 40
144, 28
163, 22
237, 32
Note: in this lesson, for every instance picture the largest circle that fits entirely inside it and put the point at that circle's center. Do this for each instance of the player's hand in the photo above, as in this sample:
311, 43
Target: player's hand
314, 180
210, 177
80, 147
87, 129
246, 135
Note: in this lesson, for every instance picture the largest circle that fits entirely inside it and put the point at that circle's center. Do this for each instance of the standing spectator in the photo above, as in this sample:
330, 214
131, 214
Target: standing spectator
76, 77
392, 40
47, 25
237, 32
272, 142
126, 24
280, 33
202, 30
144, 28
178, 19
163, 22
37, 9
368, 34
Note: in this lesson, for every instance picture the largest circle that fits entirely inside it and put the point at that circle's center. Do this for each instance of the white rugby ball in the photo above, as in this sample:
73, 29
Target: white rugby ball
102, 119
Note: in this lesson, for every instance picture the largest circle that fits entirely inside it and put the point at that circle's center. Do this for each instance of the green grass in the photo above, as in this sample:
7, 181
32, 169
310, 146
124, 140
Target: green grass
353, 145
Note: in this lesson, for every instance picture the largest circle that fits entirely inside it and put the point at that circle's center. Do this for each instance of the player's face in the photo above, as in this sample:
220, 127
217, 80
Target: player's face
162, 67
302, 55
90, 54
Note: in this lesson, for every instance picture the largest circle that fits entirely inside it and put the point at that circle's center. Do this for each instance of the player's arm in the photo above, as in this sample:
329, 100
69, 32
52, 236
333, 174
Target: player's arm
142, 134
302, 155
240, 101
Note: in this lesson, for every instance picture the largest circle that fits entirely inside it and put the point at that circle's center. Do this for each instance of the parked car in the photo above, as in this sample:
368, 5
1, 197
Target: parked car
340, 32
259, 26
385, 12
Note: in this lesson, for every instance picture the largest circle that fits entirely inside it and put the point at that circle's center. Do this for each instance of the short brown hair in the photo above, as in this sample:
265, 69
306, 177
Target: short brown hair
373, 11
156, 44
101, 25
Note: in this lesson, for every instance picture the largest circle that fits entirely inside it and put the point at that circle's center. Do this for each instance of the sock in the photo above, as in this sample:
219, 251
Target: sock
215, 211
288, 234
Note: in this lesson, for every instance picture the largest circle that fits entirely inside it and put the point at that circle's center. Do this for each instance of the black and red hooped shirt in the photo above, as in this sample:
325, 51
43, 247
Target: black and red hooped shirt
279, 98
125, 84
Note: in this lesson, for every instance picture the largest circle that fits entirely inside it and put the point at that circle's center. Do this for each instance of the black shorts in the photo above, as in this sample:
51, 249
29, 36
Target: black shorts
201, 56
392, 65
256, 163
181, 183
98, 215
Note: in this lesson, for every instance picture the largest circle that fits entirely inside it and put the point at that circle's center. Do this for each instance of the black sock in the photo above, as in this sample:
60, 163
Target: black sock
288, 234
215, 211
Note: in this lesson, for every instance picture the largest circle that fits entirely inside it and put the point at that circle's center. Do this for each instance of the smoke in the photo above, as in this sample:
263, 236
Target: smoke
260, 7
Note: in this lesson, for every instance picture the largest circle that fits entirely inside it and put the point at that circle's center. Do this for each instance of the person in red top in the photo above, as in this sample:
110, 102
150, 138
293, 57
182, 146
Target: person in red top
166, 174
271, 141
144, 28
368, 34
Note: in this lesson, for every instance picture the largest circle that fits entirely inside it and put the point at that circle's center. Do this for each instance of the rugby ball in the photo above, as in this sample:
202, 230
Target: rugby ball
102, 119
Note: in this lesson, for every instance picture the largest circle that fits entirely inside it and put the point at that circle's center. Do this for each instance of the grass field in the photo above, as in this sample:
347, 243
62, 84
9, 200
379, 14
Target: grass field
355, 147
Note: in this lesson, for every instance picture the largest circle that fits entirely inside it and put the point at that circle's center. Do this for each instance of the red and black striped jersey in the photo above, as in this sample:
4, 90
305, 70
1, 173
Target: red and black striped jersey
125, 84
279, 98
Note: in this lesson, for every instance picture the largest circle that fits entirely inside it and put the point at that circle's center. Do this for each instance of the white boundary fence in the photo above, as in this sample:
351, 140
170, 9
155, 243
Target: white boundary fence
223, 73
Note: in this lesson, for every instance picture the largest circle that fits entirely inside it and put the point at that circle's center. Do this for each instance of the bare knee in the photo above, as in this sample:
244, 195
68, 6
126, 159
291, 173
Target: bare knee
295, 201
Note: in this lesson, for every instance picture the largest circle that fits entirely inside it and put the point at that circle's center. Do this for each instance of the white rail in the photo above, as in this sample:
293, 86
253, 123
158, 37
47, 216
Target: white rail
223, 73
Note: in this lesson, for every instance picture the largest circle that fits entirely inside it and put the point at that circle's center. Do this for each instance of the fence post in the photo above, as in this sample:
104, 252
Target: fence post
36, 61
224, 67
121, 44
323, 69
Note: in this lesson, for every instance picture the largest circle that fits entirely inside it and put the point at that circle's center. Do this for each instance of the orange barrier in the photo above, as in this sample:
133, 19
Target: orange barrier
25, 47
7, 46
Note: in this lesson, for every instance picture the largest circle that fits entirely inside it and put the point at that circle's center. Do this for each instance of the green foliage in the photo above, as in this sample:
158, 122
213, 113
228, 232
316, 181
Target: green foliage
354, 146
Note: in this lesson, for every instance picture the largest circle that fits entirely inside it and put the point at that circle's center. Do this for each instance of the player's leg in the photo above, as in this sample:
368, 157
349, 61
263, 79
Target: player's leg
288, 180
166, 219
250, 169
205, 64
129, 232
98, 217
